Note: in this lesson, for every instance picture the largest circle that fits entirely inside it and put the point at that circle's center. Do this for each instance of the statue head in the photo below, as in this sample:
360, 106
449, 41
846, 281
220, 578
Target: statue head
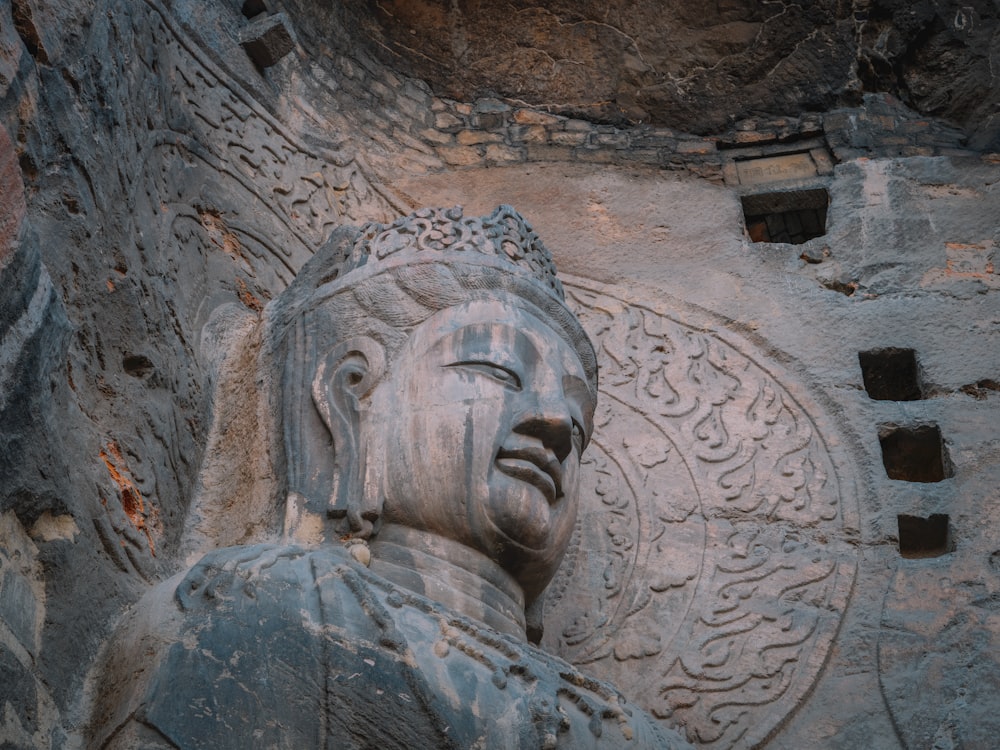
435, 379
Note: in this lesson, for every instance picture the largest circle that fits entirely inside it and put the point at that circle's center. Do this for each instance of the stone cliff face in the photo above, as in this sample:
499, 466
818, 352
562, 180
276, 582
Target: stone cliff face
167, 167
698, 67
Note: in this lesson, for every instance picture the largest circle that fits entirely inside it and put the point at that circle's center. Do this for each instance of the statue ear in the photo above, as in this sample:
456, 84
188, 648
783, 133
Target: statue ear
345, 377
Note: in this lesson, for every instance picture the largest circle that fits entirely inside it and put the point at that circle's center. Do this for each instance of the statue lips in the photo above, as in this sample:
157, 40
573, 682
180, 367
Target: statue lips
536, 465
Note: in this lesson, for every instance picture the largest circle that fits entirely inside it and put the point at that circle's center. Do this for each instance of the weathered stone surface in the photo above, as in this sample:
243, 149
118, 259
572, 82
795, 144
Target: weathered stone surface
131, 150
661, 237
695, 67
172, 189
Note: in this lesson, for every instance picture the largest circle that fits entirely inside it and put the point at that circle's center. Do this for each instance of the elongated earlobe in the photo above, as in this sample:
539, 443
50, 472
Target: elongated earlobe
345, 377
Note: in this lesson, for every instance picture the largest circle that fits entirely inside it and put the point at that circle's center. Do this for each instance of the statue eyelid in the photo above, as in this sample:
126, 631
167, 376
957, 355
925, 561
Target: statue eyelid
498, 372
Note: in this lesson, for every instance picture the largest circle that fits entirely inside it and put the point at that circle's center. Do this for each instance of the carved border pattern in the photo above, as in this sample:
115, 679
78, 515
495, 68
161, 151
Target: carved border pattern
713, 558
272, 191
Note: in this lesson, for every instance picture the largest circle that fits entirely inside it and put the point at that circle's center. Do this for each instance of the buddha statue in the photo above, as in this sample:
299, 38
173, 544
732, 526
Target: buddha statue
435, 398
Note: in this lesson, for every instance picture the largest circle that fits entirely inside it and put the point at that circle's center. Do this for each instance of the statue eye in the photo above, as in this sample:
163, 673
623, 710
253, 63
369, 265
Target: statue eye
497, 372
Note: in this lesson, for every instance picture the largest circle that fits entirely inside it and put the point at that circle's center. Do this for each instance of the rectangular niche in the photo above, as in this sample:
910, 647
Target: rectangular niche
914, 454
924, 537
891, 374
792, 216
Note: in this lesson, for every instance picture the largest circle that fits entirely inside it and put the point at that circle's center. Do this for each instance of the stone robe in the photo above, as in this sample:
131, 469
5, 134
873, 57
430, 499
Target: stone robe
286, 647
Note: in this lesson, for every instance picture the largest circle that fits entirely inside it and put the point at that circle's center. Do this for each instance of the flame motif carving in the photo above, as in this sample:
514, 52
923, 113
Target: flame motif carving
712, 561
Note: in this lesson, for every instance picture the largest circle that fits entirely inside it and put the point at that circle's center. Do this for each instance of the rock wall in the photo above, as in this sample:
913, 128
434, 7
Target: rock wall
159, 184
179, 159
698, 67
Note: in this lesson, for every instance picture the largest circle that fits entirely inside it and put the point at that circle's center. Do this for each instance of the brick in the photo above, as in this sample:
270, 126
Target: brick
436, 136
661, 132
755, 136
487, 120
647, 140
696, 147
460, 156
847, 154
532, 117
729, 173
914, 126
616, 140
502, 153
414, 110
641, 155
578, 126
483, 106
417, 90
821, 157
474, 137
446, 121
562, 138
528, 133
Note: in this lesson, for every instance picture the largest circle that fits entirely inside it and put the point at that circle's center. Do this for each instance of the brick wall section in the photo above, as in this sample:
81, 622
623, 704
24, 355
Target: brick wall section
412, 130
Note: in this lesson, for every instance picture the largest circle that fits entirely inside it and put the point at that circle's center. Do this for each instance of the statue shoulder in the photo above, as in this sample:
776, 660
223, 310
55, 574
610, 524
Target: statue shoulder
252, 606
224, 577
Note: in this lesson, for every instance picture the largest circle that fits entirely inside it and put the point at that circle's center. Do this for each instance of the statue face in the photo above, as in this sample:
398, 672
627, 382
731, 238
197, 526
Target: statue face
476, 434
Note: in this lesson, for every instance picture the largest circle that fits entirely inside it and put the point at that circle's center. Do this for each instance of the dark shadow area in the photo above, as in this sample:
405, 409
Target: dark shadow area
891, 374
914, 454
924, 537
793, 216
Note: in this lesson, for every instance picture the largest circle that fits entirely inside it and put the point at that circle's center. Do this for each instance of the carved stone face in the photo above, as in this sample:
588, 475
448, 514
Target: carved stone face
476, 435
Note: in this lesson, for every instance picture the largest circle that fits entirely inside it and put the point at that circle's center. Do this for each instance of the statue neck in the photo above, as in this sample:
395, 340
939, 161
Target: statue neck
450, 573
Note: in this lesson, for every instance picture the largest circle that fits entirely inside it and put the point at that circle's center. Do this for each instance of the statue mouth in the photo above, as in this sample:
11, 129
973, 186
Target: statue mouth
536, 466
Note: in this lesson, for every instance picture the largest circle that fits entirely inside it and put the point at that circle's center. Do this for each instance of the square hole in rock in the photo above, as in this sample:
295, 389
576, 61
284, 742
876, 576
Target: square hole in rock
924, 537
253, 8
891, 374
914, 454
792, 216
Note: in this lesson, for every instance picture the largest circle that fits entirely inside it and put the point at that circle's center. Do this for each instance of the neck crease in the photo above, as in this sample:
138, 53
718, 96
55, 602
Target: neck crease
450, 573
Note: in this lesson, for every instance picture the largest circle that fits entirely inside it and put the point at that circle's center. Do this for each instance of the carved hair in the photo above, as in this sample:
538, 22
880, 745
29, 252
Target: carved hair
340, 325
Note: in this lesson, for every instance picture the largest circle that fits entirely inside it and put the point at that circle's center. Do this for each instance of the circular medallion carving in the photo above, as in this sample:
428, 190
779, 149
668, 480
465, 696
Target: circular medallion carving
713, 556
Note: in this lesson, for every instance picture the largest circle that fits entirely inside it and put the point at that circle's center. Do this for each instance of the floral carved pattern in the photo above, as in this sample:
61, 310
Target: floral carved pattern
713, 559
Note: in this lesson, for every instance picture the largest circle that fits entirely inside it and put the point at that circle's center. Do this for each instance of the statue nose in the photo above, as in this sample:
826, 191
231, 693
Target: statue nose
550, 422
